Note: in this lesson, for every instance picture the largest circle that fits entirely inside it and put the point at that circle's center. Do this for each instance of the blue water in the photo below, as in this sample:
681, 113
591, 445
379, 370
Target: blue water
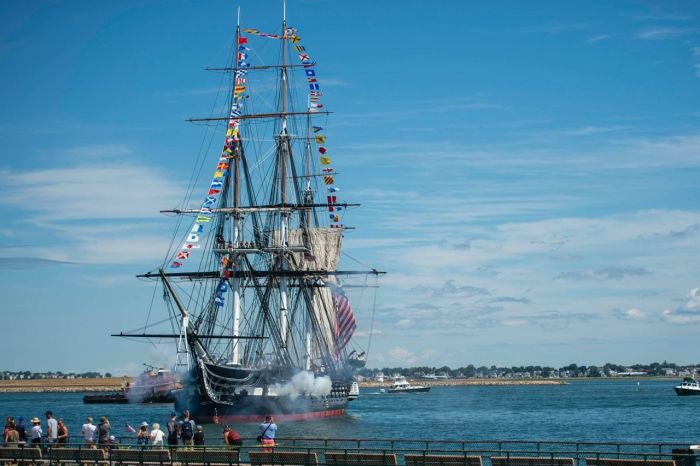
598, 411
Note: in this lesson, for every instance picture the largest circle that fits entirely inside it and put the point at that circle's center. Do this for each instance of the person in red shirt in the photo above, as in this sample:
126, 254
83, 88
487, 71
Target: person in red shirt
231, 437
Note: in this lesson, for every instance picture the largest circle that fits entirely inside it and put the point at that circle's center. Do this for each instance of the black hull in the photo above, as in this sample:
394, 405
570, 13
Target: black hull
121, 398
410, 390
112, 398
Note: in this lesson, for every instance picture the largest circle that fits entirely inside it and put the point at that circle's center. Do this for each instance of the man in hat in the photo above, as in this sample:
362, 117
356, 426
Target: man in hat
36, 431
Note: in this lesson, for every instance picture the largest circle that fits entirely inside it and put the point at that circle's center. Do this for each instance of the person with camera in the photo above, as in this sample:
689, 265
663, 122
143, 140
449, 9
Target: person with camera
268, 430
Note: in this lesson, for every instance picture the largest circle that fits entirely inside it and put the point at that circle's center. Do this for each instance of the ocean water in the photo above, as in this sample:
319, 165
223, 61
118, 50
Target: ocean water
591, 410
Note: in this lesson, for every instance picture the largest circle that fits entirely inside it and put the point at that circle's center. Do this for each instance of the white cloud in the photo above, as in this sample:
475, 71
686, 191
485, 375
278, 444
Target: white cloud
688, 313
96, 210
600, 37
632, 313
588, 130
660, 33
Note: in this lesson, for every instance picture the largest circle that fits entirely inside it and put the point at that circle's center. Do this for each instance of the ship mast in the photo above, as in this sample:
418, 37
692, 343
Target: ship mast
238, 220
282, 157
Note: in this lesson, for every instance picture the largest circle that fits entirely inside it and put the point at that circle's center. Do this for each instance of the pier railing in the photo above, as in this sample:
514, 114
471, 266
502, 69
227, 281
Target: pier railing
359, 452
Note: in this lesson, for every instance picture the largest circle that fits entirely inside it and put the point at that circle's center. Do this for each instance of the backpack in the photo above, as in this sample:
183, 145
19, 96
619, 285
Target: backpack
186, 432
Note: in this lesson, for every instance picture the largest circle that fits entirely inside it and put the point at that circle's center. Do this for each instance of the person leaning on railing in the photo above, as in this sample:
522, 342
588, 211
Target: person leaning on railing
232, 438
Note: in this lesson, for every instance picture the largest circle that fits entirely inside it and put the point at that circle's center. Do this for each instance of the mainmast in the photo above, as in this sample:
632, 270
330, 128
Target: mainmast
282, 157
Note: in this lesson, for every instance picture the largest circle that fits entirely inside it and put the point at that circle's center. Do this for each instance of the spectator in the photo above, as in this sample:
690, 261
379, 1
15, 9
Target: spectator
52, 427
22, 429
172, 429
143, 436
186, 428
88, 432
198, 436
157, 435
231, 437
103, 437
9, 426
62, 433
268, 430
11, 435
36, 431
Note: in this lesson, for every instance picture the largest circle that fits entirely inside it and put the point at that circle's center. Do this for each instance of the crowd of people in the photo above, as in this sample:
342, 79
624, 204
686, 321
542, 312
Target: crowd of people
177, 431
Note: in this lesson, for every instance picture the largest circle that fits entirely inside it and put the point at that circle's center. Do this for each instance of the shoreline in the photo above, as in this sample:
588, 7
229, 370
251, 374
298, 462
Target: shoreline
467, 382
103, 384
114, 384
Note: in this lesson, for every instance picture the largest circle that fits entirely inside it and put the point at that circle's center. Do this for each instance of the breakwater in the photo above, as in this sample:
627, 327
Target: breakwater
101, 384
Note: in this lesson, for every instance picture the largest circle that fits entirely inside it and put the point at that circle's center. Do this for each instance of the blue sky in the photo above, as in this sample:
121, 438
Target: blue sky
528, 172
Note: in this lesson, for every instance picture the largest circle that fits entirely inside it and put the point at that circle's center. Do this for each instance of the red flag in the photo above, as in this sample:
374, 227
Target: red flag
213, 191
322, 150
242, 40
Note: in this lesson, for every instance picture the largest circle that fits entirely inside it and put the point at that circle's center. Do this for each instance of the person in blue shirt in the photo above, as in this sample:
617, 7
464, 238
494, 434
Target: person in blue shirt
268, 430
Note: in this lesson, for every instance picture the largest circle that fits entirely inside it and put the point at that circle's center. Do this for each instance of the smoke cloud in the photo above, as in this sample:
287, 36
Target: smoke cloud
304, 384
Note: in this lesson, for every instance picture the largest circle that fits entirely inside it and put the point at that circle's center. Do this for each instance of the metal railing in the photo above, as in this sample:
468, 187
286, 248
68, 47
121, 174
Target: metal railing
114, 454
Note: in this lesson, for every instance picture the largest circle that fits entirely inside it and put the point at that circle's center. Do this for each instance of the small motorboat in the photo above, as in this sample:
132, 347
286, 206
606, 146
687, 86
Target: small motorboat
401, 385
688, 387
354, 391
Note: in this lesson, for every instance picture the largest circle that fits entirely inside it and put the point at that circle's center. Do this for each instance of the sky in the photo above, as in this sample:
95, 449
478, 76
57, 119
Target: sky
529, 173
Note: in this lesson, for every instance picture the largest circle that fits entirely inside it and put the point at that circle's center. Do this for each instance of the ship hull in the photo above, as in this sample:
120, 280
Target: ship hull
255, 408
409, 390
681, 391
252, 400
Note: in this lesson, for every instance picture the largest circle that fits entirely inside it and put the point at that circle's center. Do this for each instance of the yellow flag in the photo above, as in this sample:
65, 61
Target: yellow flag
320, 139
203, 219
325, 160
218, 174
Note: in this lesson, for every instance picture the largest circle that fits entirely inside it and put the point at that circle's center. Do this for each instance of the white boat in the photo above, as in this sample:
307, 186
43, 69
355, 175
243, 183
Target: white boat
688, 387
354, 391
401, 385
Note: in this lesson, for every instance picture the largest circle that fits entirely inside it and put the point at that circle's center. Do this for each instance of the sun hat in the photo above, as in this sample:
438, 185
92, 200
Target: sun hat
35, 420
200, 428
144, 424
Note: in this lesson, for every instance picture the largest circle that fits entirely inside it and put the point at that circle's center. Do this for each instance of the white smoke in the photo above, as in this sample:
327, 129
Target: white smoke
304, 384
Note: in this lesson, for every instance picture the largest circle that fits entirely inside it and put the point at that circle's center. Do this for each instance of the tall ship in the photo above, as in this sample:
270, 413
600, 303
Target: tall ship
257, 304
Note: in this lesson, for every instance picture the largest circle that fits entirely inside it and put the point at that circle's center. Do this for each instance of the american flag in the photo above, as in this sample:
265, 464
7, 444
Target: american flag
345, 320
